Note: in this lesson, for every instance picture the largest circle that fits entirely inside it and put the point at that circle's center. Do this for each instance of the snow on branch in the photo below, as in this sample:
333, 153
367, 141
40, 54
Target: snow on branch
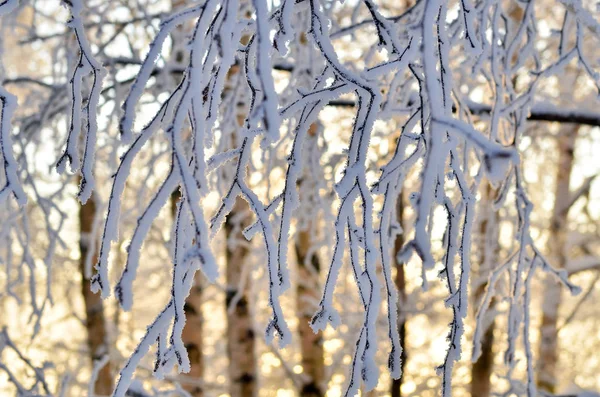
8, 103
227, 109
7, 6
86, 64
439, 131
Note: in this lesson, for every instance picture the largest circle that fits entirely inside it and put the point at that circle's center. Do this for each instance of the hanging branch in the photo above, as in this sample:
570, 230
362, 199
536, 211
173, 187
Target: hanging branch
86, 64
444, 140
415, 76
39, 376
12, 183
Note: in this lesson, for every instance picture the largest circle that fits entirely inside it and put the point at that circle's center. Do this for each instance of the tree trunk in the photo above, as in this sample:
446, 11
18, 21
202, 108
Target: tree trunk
192, 337
548, 349
481, 372
241, 339
482, 369
94, 308
308, 291
400, 280
240, 327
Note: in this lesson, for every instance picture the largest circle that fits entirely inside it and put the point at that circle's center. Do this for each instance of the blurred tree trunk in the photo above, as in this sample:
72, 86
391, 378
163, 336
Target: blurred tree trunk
400, 281
241, 339
240, 327
192, 336
481, 371
308, 292
95, 322
552, 295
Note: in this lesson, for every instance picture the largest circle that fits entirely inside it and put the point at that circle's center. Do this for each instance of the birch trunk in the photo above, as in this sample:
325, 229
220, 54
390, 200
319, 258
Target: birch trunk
400, 281
552, 295
192, 337
95, 322
307, 293
240, 327
481, 371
